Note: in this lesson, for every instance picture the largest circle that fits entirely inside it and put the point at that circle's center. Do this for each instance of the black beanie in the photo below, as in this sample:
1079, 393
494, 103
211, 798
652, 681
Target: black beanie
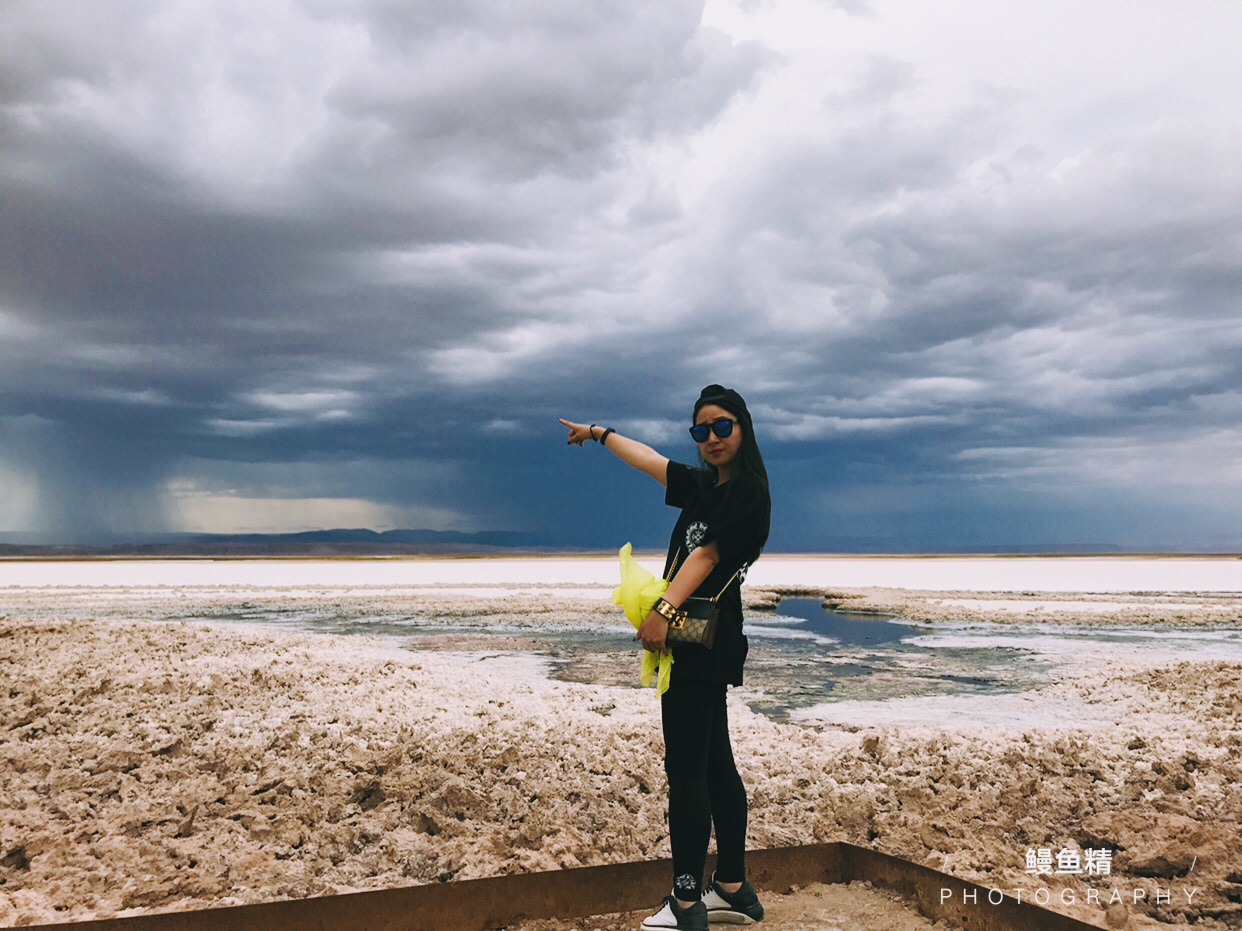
727, 398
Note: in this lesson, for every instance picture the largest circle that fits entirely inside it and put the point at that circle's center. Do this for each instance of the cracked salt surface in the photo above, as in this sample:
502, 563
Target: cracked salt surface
169, 766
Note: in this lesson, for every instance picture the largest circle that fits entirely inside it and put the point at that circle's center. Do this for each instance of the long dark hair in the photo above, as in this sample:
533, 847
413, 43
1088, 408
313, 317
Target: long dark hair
747, 486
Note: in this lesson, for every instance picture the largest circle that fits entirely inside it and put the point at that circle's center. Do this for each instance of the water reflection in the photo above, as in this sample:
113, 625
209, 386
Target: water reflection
808, 614
800, 655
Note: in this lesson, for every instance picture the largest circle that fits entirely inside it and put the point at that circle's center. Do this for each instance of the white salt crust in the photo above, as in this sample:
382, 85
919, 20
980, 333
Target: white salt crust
1118, 574
156, 766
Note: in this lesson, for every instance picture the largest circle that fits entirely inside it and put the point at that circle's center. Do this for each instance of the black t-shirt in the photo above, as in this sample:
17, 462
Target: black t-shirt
739, 534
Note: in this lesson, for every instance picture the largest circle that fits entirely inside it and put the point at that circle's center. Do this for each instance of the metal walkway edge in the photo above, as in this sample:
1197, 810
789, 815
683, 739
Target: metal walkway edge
483, 904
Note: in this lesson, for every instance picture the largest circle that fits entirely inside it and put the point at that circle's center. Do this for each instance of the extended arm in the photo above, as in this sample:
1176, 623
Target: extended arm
697, 567
633, 453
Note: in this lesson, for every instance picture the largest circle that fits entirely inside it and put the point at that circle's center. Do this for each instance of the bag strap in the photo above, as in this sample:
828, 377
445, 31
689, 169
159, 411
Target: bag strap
672, 570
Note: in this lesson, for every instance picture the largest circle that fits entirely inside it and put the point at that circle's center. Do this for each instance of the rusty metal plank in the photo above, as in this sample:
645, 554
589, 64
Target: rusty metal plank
483, 904
468, 905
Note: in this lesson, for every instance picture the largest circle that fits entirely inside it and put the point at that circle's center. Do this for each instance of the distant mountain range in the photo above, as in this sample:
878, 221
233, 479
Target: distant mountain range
342, 542
362, 542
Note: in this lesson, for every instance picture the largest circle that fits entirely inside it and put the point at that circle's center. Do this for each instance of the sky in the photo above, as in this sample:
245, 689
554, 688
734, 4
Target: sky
296, 264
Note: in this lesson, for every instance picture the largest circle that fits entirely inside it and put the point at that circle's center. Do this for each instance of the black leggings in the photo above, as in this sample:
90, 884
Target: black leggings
703, 785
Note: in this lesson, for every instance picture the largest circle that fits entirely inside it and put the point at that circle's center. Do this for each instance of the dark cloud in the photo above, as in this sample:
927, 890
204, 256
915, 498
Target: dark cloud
370, 251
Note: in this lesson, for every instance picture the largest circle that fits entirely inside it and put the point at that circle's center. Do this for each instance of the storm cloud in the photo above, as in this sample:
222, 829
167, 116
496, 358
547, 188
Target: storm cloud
280, 266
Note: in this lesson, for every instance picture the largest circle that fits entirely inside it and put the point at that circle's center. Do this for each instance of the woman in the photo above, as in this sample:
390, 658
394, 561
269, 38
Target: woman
723, 525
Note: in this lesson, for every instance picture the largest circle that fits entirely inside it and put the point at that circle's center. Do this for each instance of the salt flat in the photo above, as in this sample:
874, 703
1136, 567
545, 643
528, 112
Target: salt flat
148, 764
956, 573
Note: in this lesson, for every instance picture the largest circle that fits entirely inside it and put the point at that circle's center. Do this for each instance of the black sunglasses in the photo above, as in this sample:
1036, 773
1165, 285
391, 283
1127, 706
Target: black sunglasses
722, 428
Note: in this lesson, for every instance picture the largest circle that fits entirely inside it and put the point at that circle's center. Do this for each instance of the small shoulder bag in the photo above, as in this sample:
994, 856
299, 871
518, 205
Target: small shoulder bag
697, 618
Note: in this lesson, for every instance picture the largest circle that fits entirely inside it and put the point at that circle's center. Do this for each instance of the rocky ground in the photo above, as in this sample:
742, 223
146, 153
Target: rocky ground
154, 766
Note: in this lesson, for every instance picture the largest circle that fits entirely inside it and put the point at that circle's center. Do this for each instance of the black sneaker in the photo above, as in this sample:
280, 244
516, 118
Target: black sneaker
736, 908
672, 915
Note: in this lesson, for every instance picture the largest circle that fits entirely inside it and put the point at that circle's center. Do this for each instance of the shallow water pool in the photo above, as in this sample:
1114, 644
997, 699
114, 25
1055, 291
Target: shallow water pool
801, 656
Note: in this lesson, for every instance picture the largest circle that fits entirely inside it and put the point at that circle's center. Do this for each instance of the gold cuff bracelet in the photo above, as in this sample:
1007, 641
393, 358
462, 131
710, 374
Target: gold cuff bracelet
674, 617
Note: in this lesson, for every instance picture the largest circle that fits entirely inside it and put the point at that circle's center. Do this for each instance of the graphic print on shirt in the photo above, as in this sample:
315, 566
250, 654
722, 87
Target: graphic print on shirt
694, 535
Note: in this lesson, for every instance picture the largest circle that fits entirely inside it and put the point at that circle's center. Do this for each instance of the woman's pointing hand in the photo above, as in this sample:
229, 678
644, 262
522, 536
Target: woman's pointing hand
579, 433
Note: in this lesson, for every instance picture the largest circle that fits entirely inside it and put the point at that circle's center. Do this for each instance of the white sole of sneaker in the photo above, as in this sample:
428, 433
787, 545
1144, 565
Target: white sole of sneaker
729, 918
